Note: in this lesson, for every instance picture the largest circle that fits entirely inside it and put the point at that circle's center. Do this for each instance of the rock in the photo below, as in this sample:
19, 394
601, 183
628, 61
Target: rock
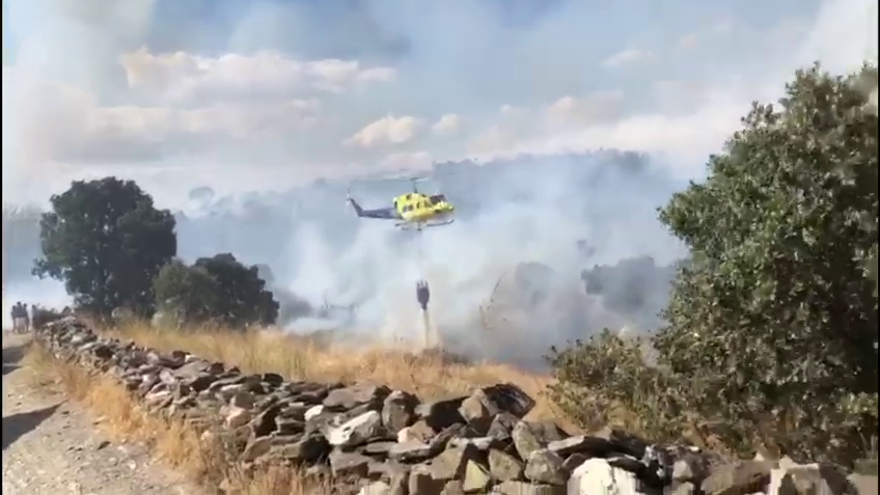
506, 397
544, 466
411, 451
441, 414
475, 412
481, 443
398, 411
505, 467
738, 477
348, 463
683, 488
420, 481
530, 436
502, 426
264, 423
236, 417
597, 476
357, 430
451, 463
573, 461
791, 478
478, 443
520, 488
582, 444
346, 398
256, 447
376, 488
305, 448
418, 432
621, 442
476, 477
242, 399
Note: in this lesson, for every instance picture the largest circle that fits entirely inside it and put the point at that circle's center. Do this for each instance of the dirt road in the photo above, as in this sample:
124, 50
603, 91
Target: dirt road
52, 447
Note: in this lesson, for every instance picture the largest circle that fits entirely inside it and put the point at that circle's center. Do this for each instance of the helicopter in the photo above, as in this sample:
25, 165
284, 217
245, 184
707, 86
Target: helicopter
412, 210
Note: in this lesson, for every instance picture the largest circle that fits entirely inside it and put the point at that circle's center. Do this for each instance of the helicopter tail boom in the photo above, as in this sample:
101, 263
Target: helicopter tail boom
381, 213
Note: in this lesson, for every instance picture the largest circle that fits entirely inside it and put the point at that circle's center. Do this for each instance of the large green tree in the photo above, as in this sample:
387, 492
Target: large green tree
106, 241
219, 289
772, 325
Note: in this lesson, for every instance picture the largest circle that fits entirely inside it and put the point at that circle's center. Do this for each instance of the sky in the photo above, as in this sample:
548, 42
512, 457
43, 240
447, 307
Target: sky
262, 95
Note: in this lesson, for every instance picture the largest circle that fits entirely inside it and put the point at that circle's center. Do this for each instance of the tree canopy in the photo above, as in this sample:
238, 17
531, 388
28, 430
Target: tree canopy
106, 241
772, 324
220, 289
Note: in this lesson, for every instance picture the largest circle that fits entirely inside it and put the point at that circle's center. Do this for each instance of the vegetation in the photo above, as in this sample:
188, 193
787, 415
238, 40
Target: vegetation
106, 241
219, 289
772, 325
113, 249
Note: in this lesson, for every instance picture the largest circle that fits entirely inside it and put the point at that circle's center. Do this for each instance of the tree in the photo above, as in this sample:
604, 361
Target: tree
188, 293
218, 288
772, 325
106, 241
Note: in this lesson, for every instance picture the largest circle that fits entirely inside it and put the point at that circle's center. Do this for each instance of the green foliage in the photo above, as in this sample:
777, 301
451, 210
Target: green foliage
106, 241
189, 293
631, 394
772, 326
219, 289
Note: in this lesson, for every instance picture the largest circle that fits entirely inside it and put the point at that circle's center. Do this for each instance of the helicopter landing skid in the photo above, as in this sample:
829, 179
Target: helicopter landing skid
420, 226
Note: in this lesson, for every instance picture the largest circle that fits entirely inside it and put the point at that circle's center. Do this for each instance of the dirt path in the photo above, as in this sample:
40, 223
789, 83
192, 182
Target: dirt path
52, 447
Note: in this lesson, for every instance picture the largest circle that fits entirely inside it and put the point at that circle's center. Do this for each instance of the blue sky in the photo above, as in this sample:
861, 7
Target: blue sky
251, 95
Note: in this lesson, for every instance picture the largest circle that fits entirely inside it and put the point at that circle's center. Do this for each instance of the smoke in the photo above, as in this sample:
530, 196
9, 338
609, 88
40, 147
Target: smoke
505, 277
228, 137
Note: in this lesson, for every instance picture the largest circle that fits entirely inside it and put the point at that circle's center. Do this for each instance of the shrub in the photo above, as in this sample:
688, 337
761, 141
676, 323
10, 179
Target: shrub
772, 325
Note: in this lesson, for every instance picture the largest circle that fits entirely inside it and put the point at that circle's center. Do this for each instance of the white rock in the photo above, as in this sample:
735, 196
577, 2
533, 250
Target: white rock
597, 477
356, 430
237, 416
376, 488
313, 411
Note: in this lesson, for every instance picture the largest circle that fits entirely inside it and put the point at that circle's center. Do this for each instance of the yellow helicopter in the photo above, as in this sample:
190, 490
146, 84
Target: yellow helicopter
412, 210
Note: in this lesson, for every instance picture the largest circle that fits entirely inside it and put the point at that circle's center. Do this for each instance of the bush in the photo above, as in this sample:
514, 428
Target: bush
772, 325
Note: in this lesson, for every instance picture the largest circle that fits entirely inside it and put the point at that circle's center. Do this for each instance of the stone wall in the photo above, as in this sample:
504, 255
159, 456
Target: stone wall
384, 441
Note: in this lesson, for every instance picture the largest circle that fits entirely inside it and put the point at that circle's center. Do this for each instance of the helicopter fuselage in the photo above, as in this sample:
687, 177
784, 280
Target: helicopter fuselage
418, 207
412, 210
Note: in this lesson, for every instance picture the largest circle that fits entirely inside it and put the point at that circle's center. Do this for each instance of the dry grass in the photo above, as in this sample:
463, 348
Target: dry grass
204, 460
201, 458
428, 376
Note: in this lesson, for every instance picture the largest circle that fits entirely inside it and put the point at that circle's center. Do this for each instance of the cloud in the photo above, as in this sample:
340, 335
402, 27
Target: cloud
57, 122
388, 130
168, 96
447, 124
688, 40
570, 111
181, 76
626, 57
